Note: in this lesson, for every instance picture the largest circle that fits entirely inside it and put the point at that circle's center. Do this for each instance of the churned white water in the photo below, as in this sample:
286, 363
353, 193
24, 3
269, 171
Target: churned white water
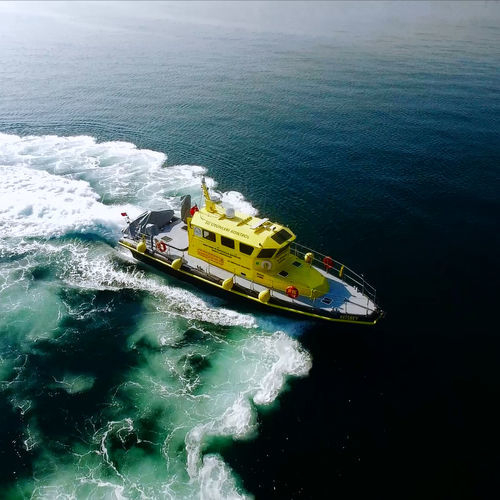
199, 369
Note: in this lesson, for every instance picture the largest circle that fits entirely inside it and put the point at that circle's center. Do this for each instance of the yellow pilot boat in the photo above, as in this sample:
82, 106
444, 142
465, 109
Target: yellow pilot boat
252, 258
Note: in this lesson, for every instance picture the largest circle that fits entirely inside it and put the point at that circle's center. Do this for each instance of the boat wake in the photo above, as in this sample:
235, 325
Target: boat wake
118, 382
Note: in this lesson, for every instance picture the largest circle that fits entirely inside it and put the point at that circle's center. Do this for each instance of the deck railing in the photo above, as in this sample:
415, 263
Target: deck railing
336, 268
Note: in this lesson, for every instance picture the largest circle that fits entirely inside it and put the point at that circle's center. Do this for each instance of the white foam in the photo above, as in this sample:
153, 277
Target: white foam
32, 438
39, 204
236, 421
76, 155
238, 202
286, 357
53, 185
258, 374
98, 272
216, 480
74, 384
118, 172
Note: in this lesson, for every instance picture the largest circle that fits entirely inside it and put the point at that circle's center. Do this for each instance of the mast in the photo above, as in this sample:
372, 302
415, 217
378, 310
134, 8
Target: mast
210, 202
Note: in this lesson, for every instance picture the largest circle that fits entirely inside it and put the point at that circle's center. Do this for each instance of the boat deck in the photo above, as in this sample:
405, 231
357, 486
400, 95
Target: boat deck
175, 235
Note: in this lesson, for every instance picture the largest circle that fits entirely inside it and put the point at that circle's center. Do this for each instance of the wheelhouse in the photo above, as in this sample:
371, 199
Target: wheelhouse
238, 242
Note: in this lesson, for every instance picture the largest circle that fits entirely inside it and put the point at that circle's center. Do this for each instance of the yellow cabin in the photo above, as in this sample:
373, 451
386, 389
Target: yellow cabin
251, 247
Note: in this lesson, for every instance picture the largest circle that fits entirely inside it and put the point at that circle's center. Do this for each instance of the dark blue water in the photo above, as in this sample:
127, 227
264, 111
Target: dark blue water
376, 142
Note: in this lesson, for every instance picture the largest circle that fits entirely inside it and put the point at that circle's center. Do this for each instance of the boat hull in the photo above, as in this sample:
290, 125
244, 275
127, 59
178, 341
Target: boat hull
237, 292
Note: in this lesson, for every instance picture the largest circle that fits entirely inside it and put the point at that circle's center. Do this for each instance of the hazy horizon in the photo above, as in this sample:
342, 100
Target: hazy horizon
366, 18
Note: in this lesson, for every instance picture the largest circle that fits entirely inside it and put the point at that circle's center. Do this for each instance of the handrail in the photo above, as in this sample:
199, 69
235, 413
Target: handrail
345, 273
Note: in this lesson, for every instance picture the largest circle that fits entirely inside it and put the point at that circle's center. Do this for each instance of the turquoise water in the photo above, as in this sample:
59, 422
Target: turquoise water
372, 130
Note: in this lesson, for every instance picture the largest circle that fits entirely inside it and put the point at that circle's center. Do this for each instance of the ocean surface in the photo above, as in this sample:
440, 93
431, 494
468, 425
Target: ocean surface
371, 129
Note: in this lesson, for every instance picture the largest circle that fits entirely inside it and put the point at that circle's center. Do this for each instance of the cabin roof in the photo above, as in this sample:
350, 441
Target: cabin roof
245, 228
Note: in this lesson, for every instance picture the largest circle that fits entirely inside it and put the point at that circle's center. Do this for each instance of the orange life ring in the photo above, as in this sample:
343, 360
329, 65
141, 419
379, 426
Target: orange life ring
161, 246
328, 262
292, 292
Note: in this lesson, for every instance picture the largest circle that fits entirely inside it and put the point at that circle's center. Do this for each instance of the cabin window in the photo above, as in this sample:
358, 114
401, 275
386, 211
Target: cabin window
281, 236
266, 253
227, 242
208, 235
197, 231
283, 273
246, 249
297, 263
281, 250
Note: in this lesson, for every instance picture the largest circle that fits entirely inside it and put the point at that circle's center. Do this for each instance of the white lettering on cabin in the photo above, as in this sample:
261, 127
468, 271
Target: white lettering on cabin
233, 231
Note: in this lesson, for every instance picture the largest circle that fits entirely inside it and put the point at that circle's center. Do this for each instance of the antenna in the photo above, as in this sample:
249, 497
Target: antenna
210, 202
